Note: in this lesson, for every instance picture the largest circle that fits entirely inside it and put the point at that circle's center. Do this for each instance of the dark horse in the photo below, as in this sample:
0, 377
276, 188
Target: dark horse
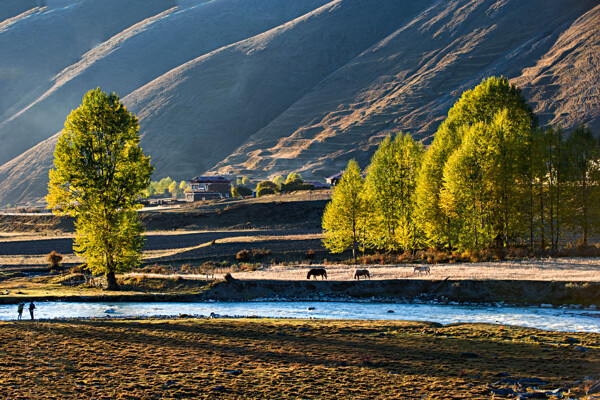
362, 272
317, 272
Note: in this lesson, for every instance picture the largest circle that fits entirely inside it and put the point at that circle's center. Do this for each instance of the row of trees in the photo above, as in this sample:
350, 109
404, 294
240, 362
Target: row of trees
491, 178
166, 184
292, 183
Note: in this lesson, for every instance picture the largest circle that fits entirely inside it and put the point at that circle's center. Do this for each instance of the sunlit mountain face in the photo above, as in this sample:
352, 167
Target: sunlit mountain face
260, 88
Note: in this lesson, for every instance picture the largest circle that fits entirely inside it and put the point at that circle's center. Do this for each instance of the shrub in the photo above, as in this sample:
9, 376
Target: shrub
310, 254
279, 180
240, 191
499, 254
295, 186
518, 252
243, 256
267, 185
54, 260
248, 267
294, 177
260, 253
264, 192
584, 250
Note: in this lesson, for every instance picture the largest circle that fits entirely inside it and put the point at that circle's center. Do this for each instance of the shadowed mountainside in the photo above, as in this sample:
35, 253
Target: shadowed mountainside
283, 86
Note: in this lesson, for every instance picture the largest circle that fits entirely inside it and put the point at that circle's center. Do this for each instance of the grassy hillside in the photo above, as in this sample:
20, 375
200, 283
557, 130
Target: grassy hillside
284, 86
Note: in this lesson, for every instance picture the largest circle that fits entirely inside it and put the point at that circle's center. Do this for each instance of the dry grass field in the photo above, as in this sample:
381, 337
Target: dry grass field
550, 269
286, 359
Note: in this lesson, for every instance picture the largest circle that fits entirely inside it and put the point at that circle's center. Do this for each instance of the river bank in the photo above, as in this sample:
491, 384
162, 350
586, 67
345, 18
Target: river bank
267, 358
449, 291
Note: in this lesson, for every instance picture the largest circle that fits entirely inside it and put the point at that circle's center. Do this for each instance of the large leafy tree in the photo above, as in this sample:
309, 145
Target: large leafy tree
345, 216
99, 172
463, 196
485, 185
391, 181
478, 105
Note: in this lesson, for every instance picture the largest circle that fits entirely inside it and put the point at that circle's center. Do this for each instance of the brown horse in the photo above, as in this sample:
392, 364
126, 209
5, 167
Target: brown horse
362, 272
317, 272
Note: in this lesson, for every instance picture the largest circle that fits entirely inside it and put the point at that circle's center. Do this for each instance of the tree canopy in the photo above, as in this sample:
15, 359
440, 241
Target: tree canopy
490, 179
99, 172
344, 217
480, 105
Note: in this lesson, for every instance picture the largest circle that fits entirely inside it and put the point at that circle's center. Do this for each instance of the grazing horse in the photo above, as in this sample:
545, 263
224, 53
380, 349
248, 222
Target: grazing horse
362, 272
317, 272
424, 270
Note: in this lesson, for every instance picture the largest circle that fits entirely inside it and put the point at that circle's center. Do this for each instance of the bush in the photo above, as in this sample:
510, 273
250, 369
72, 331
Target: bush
240, 191
295, 186
518, 252
54, 260
260, 253
584, 250
310, 254
264, 192
267, 185
243, 256
294, 177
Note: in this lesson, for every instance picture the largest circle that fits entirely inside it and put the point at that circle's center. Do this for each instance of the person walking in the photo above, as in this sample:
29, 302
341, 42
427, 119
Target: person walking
31, 308
20, 310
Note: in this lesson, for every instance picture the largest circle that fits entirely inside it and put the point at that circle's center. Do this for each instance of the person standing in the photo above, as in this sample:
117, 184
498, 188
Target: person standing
20, 310
31, 308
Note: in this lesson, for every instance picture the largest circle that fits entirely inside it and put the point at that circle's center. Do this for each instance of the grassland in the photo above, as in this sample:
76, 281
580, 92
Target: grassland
282, 234
287, 359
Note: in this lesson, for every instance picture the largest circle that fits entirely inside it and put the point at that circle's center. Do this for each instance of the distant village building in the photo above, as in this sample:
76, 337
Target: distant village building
207, 188
334, 179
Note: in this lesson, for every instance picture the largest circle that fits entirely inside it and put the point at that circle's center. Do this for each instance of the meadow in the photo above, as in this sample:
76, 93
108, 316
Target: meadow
288, 359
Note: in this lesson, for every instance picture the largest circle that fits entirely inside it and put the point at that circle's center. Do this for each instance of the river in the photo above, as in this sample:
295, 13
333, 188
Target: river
567, 320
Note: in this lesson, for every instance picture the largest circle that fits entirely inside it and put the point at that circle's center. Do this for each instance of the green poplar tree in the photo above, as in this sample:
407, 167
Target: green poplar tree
346, 214
99, 172
391, 181
478, 105
463, 196
486, 184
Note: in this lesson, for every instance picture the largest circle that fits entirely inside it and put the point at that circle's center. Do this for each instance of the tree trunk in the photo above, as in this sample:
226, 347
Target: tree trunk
111, 279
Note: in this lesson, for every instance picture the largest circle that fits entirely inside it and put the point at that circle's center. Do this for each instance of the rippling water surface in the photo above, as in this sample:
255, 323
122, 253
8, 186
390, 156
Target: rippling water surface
543, 318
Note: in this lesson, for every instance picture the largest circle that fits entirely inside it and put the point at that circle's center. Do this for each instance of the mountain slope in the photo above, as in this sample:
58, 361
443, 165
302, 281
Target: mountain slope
236, 90
564, 85
408, 82
139, 54
271, 86
37, 45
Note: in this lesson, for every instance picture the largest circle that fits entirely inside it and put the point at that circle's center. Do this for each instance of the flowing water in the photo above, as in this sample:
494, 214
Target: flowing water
542, 318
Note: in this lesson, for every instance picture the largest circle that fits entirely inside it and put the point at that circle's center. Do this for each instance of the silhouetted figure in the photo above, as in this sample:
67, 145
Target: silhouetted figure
20, 309
31, 308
